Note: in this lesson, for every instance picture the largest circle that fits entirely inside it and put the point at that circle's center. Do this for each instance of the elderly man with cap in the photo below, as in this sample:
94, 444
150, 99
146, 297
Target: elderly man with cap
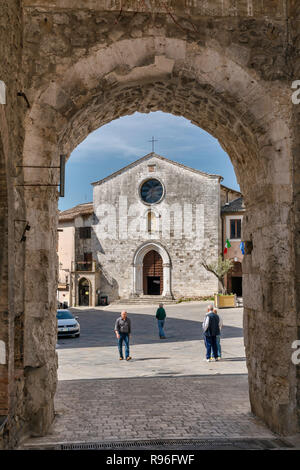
123, 331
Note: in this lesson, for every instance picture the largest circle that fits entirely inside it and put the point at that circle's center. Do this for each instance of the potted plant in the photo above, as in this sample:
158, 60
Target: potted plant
219, 269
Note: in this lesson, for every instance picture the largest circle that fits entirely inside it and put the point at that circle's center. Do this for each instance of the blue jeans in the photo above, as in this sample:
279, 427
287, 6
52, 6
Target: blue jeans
219, 345
211, 346
161, 327
123, 337
218, 339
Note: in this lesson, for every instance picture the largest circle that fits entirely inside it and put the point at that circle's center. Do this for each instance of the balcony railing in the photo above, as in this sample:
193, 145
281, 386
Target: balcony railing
89, 266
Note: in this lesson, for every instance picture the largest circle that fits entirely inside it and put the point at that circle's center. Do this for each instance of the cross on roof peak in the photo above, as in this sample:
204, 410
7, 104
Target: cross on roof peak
152, 141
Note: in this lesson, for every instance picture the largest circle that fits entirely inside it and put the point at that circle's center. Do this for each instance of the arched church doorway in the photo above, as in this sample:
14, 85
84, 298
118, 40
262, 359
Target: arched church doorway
153, 273
84, 293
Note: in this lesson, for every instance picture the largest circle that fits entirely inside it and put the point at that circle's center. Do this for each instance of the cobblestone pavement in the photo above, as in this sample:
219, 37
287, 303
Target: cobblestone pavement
166, 392
95, 355
153, 408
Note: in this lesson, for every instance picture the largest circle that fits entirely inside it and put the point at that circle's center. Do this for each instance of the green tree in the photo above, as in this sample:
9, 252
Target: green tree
219, 268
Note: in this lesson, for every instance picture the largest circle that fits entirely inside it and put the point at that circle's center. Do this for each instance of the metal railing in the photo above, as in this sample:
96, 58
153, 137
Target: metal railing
89, 266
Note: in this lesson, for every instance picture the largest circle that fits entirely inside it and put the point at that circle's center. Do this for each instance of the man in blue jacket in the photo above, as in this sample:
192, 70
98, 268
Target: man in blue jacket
211, 328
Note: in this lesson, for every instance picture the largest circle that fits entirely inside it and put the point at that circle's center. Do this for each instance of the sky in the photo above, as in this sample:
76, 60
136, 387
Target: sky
115, 145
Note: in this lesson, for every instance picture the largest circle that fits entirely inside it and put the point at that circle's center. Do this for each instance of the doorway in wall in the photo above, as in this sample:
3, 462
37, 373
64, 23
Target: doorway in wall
153, 273
84, 293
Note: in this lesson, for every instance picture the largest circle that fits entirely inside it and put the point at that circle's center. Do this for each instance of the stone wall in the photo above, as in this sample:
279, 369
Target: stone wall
4, 328
18, 379
11, 211
295, 218
191, 8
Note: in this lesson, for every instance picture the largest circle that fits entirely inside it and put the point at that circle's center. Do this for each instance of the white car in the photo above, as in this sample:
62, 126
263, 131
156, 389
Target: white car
67, 324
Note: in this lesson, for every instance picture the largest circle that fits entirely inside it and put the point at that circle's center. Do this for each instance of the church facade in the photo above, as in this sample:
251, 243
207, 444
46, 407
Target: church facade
145, 234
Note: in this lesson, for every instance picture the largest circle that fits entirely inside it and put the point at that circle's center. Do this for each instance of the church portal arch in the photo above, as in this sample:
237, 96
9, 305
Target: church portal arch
151, 264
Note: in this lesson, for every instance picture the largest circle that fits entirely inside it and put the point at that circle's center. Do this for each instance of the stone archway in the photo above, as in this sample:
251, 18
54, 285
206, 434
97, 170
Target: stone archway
138, 269
111, 63
175, 81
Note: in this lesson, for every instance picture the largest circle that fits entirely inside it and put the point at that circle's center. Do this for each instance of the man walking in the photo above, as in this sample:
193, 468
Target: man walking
161, 316
211, 331
123, 331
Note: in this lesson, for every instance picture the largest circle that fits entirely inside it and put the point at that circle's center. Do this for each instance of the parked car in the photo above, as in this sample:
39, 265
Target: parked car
67, 324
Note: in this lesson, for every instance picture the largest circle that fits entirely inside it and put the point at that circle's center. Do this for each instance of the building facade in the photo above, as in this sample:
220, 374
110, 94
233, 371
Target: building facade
145, 234
232, 217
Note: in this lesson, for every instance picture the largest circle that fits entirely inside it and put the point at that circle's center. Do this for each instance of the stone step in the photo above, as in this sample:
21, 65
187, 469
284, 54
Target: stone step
149, 299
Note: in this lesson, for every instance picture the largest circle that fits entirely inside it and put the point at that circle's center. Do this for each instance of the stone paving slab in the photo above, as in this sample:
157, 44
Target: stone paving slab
153, 408
167, 391
163, 359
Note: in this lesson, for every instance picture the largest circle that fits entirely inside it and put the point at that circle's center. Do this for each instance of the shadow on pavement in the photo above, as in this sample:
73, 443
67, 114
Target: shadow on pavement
97, 330
149, 358
232, 359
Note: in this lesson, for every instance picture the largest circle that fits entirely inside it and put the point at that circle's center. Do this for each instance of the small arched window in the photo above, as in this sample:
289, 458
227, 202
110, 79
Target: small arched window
151, 222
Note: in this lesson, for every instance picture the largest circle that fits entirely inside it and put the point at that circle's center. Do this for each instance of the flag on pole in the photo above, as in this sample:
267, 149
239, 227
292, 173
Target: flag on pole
227, 245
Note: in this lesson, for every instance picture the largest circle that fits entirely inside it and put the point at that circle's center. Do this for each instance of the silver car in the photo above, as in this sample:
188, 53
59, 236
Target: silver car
67, 324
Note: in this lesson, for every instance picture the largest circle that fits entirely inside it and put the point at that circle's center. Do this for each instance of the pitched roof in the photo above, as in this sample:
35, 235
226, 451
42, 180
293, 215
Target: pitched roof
81, 209
225, 188
148, 157
87, 208
237, 205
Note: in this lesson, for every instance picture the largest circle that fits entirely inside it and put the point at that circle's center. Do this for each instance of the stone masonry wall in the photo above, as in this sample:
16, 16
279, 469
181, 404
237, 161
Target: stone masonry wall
11, 211
295, 124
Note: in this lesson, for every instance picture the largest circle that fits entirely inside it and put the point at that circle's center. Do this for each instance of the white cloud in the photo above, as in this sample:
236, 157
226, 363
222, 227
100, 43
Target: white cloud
129, 137
100, 145
124, 140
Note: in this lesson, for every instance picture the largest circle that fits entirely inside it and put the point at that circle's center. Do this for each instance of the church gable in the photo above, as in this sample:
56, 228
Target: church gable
154, 163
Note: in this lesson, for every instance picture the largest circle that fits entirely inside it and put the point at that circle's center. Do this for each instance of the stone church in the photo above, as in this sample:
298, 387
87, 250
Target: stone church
145, 234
